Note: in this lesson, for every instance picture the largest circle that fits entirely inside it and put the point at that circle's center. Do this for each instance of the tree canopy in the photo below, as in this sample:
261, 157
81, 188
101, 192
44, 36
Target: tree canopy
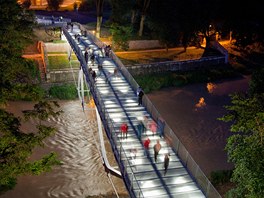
19, 80
245, 147
175, 22
16, 146
18, 76
54, 4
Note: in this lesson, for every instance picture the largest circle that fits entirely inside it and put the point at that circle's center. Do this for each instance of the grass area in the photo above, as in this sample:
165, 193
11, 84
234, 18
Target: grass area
65, 53
58, 41
159, 55
62, 62
64, 92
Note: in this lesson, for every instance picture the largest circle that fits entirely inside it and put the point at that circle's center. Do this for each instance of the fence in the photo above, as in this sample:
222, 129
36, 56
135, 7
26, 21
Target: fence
176, 65
50, 20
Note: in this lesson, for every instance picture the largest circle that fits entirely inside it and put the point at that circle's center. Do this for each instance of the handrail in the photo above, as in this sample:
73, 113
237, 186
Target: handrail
108, 166
196, 173
103, 114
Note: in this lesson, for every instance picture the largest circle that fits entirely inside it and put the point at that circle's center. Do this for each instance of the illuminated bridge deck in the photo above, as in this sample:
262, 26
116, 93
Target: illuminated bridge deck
117, 103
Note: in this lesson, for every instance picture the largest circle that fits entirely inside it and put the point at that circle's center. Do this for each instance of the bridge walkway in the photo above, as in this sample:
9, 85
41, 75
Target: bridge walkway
117, 104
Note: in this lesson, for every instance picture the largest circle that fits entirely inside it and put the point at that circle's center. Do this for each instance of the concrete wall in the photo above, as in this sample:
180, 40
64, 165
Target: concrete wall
57, 47
144, 44
62, 76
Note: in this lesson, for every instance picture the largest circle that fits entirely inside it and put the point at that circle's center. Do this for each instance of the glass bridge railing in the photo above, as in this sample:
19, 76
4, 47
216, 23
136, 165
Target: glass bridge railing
119, 152
191, 166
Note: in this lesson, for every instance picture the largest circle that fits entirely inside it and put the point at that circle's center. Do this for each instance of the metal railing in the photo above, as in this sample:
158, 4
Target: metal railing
193, 168
167, 66
119, 152
49, 20
187, 160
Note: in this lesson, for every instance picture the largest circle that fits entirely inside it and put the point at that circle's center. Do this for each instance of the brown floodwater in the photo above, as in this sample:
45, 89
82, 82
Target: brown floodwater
191, 111
76, 142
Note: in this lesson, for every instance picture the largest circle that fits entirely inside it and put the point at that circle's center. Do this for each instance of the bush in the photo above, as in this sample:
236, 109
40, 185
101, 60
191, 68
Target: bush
121, 35
221, 177
64, 92
27, 92
176, 79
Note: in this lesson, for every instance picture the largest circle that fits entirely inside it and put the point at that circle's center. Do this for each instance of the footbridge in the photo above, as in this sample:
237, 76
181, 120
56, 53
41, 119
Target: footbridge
116, 103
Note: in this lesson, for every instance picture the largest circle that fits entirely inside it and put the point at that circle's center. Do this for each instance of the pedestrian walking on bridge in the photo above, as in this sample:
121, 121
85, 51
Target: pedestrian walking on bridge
166, 162
157, 148
123, 130
146, 146
140, 129
140, 96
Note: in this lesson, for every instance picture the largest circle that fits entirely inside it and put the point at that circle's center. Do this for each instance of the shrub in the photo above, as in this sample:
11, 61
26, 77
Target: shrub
176, 79
64, 92
221, 177
121, 35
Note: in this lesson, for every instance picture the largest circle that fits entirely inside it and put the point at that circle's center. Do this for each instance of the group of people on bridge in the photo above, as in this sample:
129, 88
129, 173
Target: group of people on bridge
142, 128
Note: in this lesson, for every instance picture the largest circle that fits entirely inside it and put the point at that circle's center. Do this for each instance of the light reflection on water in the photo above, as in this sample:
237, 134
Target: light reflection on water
76, 142
211, 87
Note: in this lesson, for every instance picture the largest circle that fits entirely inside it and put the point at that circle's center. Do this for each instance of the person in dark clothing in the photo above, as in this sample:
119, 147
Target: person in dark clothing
161, 125
166, 163
86, 56
100, 69
138, 90
92, 58
71, 27
140, 129
93, 75
140, 96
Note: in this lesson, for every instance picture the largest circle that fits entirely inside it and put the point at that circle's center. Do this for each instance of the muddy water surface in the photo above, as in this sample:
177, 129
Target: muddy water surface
76, 142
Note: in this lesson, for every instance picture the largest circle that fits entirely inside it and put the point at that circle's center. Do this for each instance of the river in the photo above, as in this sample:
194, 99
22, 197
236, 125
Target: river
82, 173
191, 111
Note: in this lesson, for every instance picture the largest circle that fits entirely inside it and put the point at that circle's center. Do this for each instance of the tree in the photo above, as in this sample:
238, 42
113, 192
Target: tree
99, 12
246, 147
16, 146
257, 82
163, 21
121, 11
144, 10
121, 35
18, 76
245, 23
18, 80
135, 9
26, 4
86, 5
54, 4
180, 22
